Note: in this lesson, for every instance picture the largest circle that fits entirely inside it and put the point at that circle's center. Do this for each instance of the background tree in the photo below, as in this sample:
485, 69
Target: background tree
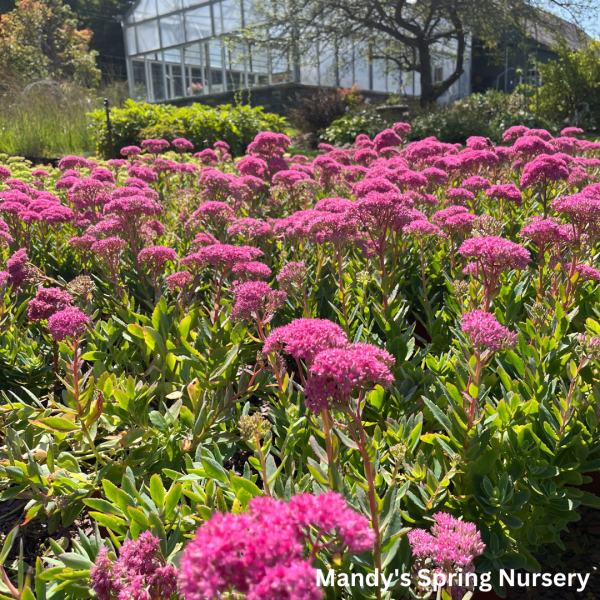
410, 35
40, 40
568, 82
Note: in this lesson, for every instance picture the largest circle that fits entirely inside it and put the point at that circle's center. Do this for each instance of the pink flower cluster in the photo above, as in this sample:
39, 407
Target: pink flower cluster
68, 323
261, 553
47, 302
452, 545
256, 300
140, 572
486, 333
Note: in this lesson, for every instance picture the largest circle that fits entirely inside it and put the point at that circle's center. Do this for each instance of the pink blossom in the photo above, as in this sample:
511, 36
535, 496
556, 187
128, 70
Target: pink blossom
252, 270
336, 373
256, 300
388, 138
365, 156
423, 228
304, 338
183, 145
542, 169
401, 128
144, 174
486, 333
155, 146
514, 132
17, 268
476, 184
221, 256
57, 215
334, 205
292, 274
252, 165
83, 243
452, 544
531, 146
506, 191
156, 257
542, 231
435, 175
250, 229
459, 196
571, 131
47, 302
72, 162
478, 143
68, 323
5, 173
179, 280
131, 151
584, 272
541, 133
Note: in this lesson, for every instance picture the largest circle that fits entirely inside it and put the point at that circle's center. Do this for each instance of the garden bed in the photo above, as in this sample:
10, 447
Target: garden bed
279, 376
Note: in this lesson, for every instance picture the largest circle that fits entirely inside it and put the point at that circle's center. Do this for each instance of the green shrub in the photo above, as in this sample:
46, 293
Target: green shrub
201, 125
569, 81
487, 115
344, 131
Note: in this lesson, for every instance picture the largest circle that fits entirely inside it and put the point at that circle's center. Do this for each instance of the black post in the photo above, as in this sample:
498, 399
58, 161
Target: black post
109, 128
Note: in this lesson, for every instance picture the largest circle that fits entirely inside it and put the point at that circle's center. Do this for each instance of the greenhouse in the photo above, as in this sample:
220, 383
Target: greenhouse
178, 49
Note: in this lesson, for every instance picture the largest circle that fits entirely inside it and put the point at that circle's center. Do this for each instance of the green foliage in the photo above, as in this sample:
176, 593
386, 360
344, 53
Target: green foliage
486, 115
201, 125
344, 131
46, 122
39, 40
567, 82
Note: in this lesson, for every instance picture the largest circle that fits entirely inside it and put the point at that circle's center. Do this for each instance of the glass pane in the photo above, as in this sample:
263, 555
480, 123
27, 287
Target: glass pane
216, 67
139, 80
158, 83
131, 47
146, 9
235, 68
171, 29
177, 81
258, 67
281, 67
167, 6
195, 81
198, 24
231, 14
252, 15
147, 35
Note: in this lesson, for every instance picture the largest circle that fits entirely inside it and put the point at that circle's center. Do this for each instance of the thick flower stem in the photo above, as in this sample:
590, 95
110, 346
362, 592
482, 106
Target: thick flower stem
263, 465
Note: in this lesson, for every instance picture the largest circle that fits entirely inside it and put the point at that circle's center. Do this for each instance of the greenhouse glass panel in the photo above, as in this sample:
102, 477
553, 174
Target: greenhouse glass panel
281, 67
231, 15
215, 63
195, 81
139, 80
167, 6
147, 36
198, 24
146, 9
252, 15
258, 67
328, 65
158, 82
235, 68
171, 29
130, 44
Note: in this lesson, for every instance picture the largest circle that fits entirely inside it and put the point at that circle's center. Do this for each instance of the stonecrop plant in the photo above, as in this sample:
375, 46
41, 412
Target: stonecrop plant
226, 378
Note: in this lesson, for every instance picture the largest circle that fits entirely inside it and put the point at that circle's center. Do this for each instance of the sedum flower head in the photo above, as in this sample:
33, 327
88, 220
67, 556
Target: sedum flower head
486, 333
335, 374
254, 425
47, 302
68, 323
304, 338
